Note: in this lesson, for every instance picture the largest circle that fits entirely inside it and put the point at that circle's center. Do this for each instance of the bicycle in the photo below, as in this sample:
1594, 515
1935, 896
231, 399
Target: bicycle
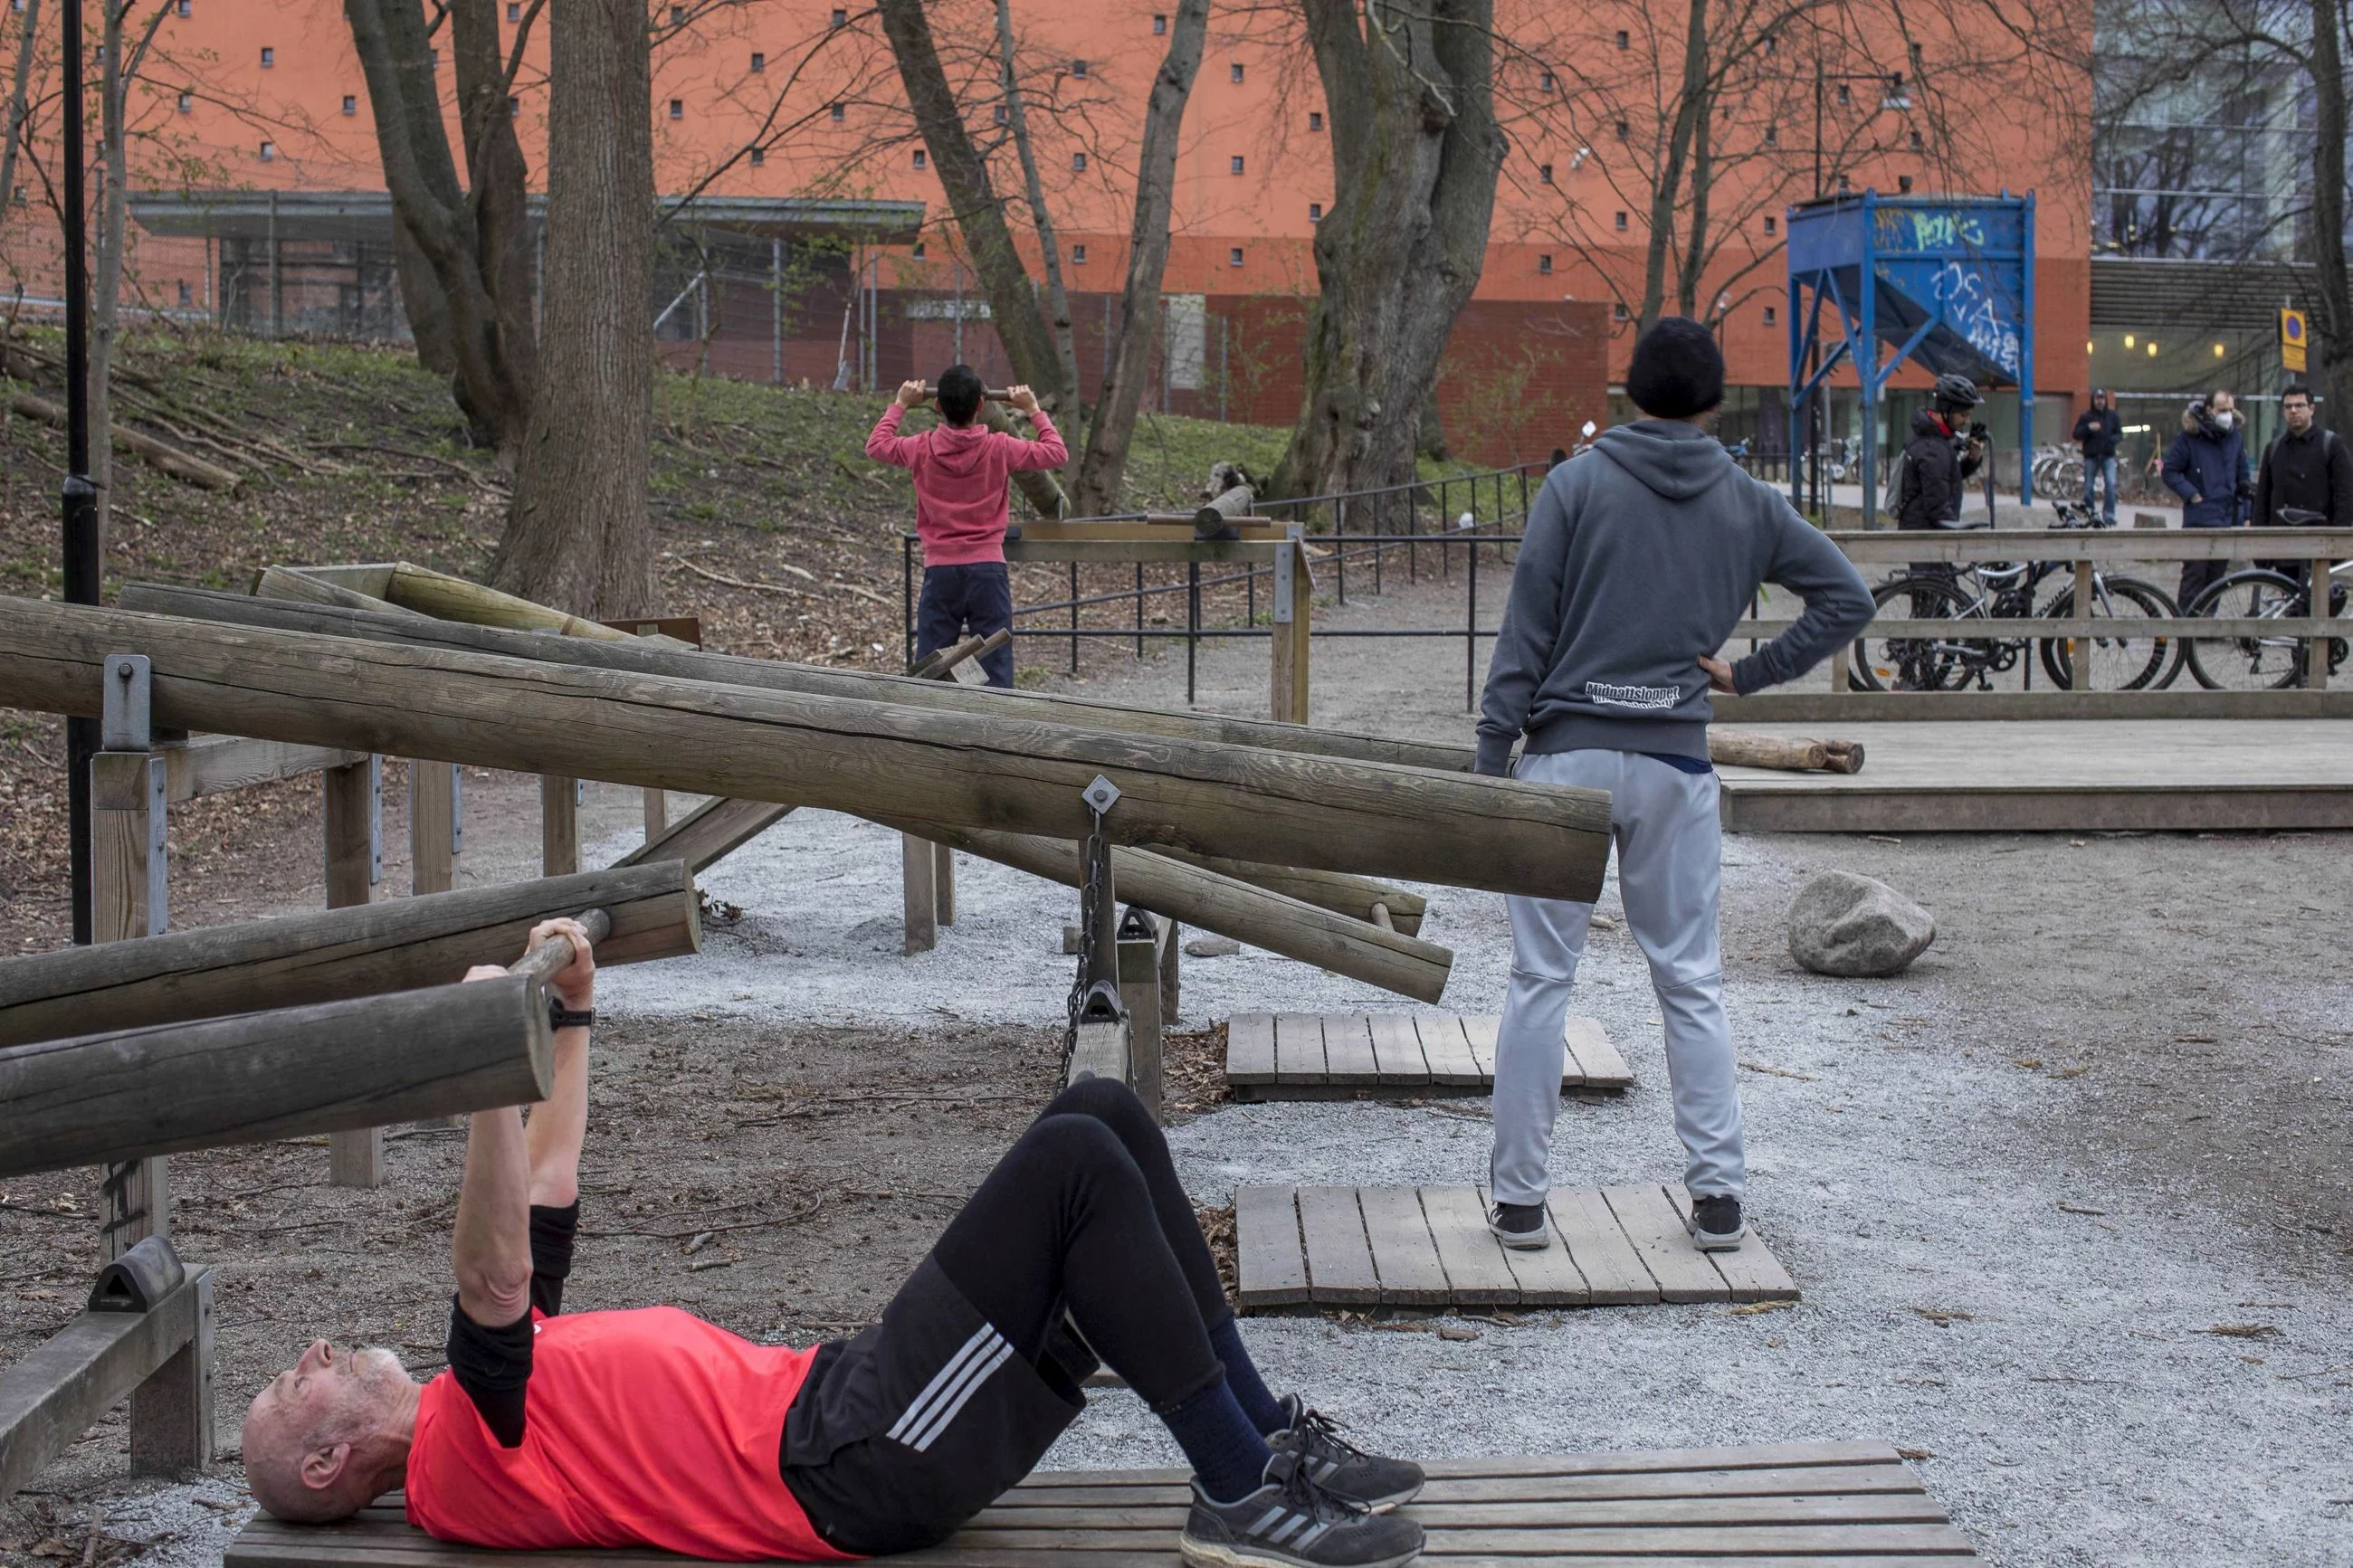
2262, 592
1990, 591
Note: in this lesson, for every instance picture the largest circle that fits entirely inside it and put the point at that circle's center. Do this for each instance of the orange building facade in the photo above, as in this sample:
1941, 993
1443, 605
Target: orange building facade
258, 195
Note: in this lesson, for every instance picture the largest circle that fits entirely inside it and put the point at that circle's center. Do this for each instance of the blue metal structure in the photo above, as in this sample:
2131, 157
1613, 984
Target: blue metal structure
1950, 284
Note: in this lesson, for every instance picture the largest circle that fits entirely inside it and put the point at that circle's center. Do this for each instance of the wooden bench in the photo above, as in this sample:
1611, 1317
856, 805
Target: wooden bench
1845, 1505
1340, 1056
1430, 1248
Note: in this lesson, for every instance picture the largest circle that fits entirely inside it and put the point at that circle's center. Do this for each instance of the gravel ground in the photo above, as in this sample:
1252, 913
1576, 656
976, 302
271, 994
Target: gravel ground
2022, 1186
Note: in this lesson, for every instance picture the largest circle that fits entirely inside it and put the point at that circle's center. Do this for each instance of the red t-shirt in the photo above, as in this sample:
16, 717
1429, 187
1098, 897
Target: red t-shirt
646, 1428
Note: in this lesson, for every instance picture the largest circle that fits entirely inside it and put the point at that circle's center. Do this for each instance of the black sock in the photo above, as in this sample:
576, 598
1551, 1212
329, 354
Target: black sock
1250, 1392
1229, 1455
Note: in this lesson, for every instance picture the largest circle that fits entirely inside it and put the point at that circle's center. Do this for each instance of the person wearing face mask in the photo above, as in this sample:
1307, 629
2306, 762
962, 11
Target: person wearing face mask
2207, 467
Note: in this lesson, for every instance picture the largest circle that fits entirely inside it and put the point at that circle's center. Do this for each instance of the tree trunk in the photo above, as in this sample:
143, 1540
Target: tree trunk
579, 537
15, 136
476, 318
1104, 465
1415, 152
1057, 299
105, 280
1692, 273
2336, 293
973, 201
1668, 192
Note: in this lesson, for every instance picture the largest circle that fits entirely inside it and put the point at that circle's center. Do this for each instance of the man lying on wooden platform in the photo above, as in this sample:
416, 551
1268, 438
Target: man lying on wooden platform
652, 1428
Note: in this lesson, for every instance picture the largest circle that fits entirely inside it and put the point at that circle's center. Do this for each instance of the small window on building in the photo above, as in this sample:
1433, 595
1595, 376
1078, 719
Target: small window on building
1625, 39
1904, 183
1078, 256
1544, 81
837, 114
678, 16
514, 10
999, 114
1621, 313
187, 297
1772, 225
1772, 44
1315, 212
269, 58
269, 152
759, 156
919, 250
1544, 265
1079, 69
1623, 130
1314, 120
1844, 184
677, 109
1234, 257
1159, 24
921, 160
184, 7
1916, 56
1544, 174
1234, 71
1235, 164
759, 62
1078, 162
1845, 93
514, 107
1772, 316
188, 102
840, 17
1618, 222
351, 102
1916, 141
433, 59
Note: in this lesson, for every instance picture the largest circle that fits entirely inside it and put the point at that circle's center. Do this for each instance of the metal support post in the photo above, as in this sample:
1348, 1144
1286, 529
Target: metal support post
128, 788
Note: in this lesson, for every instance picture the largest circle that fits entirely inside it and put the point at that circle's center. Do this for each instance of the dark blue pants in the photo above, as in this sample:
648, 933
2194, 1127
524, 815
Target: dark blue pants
966, 601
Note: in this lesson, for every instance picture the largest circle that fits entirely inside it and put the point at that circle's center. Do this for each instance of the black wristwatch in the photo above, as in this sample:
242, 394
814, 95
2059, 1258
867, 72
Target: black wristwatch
559, 1016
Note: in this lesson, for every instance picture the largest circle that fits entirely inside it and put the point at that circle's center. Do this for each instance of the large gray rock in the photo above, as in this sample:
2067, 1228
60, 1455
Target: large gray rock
1845, 924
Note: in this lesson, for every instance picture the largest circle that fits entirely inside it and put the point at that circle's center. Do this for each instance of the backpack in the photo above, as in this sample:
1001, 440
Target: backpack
1899, 481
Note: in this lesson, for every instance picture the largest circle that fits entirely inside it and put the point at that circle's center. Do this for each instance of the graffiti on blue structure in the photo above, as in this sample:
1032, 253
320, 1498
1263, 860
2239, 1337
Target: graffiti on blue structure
1917, 229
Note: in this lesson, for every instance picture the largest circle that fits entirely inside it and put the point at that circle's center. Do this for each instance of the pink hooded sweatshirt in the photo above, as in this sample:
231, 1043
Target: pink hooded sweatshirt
960, 478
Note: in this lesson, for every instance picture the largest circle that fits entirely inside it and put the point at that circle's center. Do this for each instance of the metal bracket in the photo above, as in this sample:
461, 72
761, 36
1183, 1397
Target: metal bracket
375, 819
1285, 563
124, 713
456, 808
159, 835
1100, 796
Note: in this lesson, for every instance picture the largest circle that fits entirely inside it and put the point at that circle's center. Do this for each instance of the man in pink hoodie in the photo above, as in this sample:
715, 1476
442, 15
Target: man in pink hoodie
961, 470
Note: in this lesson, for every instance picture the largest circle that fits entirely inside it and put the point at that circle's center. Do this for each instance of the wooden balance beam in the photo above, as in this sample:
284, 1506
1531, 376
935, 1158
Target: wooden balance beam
1841, 1505
933, 769
364, 951
253, 1077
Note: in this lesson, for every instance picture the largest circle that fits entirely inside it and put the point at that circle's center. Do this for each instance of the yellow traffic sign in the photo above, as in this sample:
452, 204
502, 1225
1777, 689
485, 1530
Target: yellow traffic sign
2293, 337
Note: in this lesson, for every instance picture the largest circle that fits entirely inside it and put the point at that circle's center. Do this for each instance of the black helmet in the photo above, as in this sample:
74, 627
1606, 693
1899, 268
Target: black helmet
1957, 392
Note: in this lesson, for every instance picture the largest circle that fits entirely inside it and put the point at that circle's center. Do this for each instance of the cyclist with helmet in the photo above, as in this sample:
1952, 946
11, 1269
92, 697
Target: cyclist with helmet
1944, 452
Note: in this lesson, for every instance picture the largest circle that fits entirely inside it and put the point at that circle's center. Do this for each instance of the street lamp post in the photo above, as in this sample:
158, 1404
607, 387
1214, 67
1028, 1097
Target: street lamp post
79, 497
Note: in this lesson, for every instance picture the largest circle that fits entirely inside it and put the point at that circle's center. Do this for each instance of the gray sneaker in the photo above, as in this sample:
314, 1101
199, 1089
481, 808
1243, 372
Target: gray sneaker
1522, 1227
1716, 1225
1292, 1523
1339, 1467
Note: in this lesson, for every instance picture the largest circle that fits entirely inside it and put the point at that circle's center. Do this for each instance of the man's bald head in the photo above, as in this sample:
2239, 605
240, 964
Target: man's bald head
330, 1435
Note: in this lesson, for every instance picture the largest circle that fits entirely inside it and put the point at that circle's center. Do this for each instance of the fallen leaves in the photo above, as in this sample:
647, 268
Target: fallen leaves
1940, 1316
1776, 1072
2242, 1331
1757, 1308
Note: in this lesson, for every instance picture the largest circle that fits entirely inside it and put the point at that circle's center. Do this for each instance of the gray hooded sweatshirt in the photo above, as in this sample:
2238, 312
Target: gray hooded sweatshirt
1640, 555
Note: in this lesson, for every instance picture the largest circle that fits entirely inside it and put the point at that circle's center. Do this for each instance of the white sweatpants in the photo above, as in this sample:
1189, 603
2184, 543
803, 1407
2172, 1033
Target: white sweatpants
1669, 842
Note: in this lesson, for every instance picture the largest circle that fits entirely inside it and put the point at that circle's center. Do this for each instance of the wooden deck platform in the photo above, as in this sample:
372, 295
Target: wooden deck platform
2070, 776
1340, 1056
1843, 1505
1428, 1247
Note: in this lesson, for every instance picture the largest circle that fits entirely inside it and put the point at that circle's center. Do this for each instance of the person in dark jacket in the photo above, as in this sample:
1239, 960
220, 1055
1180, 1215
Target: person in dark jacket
2099, 433
2207, 467
2306, 469
1940, 457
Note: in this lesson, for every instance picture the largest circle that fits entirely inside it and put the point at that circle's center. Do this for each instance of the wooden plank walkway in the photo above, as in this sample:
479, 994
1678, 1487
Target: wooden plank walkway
1842, 1505
2058, 775
1370, 1248
1343, 1056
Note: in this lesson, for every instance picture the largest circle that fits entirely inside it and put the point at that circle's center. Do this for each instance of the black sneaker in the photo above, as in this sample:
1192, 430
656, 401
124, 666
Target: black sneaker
1522, 1227
1339, 1467
1716, 1225
1292, 1523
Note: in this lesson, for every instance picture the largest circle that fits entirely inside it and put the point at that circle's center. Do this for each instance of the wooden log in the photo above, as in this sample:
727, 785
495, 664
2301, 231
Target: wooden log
559, 826
1357, 897
160, 454
59, 1390
709, 834
1405, 964
128, 902
1287, 668
401, 944
434, 794
213, 764
300, 587
1755, 749
930, 769
253, 1077
775, 675
920, 894
1217, 519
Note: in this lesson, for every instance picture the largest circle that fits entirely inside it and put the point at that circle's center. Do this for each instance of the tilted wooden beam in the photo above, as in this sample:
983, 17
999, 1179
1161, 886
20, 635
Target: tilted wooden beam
1335, 890
211, 764
1190, 896
300, 960
252, 1077
776, 675
59, 1390
928, 769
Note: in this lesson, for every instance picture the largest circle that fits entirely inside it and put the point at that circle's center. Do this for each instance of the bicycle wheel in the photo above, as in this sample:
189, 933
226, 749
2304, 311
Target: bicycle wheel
2247, 663
1922, 664
2143, 660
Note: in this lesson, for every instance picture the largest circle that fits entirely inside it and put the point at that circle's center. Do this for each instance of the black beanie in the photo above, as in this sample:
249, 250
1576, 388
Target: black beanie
1677, 369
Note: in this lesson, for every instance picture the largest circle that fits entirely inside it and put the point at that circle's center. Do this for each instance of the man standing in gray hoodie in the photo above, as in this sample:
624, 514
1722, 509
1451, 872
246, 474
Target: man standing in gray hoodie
1639, 561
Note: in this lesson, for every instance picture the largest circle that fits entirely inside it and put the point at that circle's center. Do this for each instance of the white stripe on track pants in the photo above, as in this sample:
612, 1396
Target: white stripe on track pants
1669, 843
